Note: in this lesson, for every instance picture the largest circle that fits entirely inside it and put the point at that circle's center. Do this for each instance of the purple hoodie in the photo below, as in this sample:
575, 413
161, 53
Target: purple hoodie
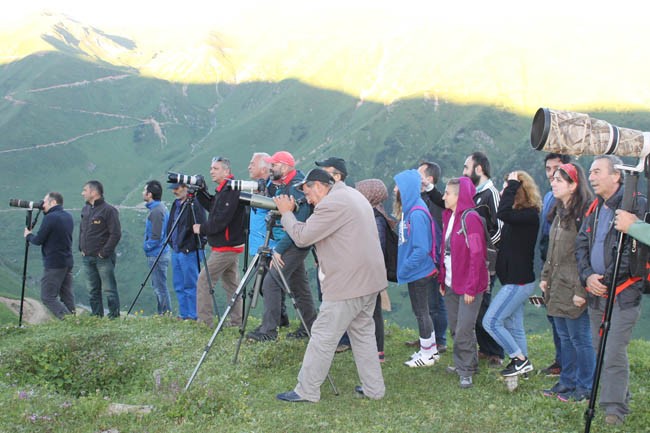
468, 256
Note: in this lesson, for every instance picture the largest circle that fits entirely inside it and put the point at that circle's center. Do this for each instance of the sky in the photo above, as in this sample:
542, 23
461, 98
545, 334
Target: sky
573, 53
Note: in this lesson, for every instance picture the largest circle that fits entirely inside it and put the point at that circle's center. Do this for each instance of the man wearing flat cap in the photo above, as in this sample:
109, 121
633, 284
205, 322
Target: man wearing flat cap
351, 273
335, 166
290, 257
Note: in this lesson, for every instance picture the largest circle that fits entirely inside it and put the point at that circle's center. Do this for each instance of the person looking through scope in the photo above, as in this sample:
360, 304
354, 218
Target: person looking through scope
55, 238
291, 258
352, 273
187, 253
224, 229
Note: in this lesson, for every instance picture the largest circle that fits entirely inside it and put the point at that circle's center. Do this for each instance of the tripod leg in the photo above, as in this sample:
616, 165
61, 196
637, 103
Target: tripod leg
259, 275
285, 287
225, 315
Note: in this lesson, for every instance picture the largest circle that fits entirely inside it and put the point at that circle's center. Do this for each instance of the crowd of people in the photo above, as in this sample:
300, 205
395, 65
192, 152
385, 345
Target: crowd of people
444, 239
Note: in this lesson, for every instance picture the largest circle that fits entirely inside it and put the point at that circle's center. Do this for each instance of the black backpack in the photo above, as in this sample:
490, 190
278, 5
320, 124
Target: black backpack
390, 256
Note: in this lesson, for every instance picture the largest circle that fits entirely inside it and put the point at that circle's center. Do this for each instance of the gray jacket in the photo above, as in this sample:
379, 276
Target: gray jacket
351, 263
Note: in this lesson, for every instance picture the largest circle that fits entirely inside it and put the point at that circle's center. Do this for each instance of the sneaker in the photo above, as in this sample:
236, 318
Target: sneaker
298, 334
517, 367
576, 395
342, 348
291, 396
422, 361
613, 419
483, 355
552, 370
442, 348
556, 389
259, 336
358, 391
494, 361
284, 321
451, 370
466, 382
381, 356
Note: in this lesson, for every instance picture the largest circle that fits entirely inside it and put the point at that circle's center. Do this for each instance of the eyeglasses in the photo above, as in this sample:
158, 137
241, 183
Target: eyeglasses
218, 159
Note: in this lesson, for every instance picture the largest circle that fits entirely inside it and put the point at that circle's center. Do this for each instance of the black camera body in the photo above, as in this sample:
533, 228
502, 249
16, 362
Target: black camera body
26, 204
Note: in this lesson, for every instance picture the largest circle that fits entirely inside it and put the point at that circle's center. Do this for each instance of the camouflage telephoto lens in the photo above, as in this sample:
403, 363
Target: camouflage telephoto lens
569, 133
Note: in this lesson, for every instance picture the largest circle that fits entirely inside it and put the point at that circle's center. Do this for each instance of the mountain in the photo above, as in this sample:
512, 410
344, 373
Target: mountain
84, 103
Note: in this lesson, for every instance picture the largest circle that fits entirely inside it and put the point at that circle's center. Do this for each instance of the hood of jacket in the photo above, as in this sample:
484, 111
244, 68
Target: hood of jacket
408, 182
466, 192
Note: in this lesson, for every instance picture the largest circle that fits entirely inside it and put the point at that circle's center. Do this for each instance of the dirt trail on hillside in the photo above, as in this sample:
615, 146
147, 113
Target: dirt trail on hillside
33, 311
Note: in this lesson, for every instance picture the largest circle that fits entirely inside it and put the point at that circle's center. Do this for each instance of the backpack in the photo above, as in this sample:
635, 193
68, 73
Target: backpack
491, 260
390, 257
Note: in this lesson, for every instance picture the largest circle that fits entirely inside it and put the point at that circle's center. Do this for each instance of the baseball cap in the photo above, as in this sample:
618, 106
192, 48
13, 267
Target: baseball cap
336, 162
283, 157
316, 175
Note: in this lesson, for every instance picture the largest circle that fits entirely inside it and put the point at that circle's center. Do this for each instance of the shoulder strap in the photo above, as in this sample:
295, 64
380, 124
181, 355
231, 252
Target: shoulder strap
434, 241
463, 225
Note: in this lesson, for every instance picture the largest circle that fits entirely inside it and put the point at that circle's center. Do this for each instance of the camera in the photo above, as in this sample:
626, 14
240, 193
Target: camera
247, 185
196, 179
26, 204
569, 133
261, 201
257, 200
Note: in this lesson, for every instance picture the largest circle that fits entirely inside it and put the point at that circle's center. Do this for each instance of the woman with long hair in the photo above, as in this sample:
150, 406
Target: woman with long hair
415, 260
504, 320
565, 297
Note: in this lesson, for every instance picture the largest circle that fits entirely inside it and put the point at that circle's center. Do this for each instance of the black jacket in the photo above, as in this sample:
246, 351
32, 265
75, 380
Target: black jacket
185, 239
631, 296
55, 236
487, 203
225, 224
518, 237
100, 230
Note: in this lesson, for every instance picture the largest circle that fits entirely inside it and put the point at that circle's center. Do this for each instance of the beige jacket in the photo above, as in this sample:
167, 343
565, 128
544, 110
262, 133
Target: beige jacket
344, 232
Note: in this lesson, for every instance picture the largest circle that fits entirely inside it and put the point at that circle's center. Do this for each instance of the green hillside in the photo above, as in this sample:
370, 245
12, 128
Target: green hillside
65, 120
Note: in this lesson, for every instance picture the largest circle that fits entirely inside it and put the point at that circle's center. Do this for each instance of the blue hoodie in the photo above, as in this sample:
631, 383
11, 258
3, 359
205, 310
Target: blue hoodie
414, 259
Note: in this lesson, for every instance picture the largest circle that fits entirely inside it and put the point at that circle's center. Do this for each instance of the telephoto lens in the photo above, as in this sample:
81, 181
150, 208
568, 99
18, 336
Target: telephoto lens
25, 204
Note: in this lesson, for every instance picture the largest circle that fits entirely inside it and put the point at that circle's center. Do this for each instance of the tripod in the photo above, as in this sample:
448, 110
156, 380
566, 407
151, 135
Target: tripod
258, 268
29, 225
187, 204
629, 192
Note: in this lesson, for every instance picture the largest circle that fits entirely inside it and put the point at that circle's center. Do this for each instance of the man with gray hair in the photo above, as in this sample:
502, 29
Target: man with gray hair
595, 246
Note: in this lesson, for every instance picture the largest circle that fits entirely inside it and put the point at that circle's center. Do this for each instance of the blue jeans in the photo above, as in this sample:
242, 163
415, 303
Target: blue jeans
438, 312
159, 282
504, 319
185, 272
100, 275
578, 356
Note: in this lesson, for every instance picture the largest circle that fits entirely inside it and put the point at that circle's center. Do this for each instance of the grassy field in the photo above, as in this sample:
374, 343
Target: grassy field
65, 377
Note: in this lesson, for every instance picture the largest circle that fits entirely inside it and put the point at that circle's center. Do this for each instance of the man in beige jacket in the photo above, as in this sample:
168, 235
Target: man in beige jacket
351, 273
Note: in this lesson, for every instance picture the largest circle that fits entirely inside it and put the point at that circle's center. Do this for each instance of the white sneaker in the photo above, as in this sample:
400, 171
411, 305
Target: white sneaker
422, 360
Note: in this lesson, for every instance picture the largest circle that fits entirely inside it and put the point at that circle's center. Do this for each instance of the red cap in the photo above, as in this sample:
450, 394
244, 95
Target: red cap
282, 156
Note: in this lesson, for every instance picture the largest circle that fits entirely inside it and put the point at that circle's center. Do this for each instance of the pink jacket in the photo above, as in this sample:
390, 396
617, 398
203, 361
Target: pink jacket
468, 253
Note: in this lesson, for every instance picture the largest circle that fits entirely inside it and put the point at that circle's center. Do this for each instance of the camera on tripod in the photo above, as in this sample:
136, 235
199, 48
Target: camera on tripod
26, 204
196, 180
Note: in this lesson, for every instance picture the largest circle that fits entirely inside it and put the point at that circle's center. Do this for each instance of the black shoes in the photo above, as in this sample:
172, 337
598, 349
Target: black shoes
259, 336
517, 367
298, 334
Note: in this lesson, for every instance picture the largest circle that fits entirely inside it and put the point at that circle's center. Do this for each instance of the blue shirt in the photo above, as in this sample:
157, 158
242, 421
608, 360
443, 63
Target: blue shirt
605, 219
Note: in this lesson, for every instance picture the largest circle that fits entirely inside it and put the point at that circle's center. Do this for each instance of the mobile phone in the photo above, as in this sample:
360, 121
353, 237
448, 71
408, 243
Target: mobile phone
537, 301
